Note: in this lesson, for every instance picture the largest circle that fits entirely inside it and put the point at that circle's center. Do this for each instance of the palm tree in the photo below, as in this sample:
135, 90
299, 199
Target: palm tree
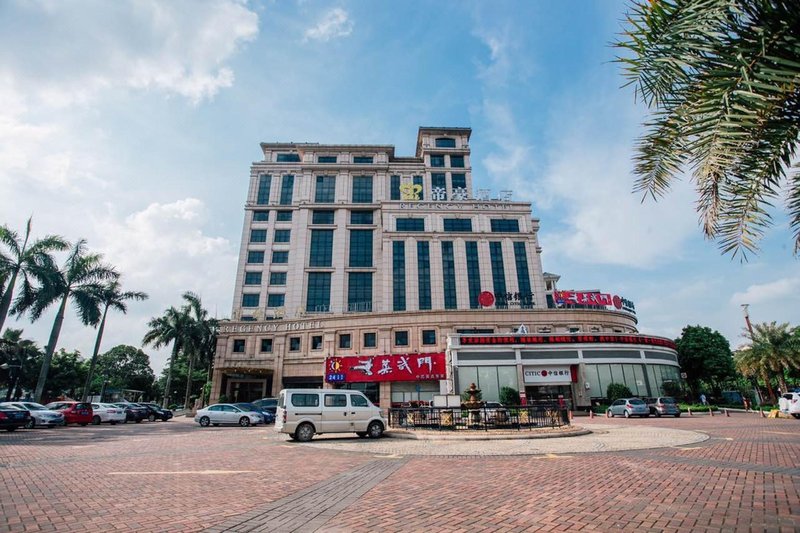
172, 328
200, 338
723, 80
28, 261
20, 354
751, 364
778, 346
79, 279
109, 296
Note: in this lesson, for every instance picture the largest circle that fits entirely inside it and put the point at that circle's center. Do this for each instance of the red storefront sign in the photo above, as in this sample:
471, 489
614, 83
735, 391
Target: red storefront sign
566, 339
406, 367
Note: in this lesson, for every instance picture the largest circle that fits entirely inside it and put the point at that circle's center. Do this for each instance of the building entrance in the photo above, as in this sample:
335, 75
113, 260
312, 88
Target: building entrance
550, 394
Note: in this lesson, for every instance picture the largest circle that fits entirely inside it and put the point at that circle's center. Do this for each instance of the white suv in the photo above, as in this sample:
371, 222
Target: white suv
789, 403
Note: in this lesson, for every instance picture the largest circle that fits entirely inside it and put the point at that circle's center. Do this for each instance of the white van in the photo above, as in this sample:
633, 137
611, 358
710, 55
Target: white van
302, 413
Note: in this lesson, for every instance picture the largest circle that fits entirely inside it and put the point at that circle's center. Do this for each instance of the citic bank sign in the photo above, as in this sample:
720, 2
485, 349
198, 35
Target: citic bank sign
594, 299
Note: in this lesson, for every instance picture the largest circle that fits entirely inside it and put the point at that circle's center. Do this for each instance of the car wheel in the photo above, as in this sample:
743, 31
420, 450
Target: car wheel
609, 414
678, 415
138, 420
658, 415
361, 434
627, 414
31, 424
205, 421
796, 415
647, 415
375, 430
126, 421
244, 421
304, 432
95, 420
292, 437
84, 423
152, 418
113, 422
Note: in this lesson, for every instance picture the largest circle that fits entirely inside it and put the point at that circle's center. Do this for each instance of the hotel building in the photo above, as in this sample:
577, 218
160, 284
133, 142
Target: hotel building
362, 269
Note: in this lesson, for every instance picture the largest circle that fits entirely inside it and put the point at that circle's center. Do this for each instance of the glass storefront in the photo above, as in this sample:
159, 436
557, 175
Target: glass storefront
413, 393
370, 390
489, 379
642, 380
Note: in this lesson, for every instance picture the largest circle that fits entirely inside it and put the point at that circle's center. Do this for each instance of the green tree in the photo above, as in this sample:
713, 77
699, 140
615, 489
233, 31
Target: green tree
14, 350
616, 391
26, 261
774, 349
78, 280
705, 356
108, 296
125, 367
509, 396
171, 327
201, 339
722, 78
67, 372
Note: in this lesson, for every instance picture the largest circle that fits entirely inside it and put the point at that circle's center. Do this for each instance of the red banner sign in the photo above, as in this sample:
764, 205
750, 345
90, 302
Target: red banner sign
567, 339
407, 367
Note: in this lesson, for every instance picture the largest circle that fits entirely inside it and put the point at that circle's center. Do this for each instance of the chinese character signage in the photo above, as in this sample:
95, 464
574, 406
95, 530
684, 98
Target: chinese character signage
566, 339
407, 367
593, 299
548, 374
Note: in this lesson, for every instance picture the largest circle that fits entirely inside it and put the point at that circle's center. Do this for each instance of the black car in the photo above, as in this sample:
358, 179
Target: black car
134, 412
267, 404
156, 412
12, 418
266, 414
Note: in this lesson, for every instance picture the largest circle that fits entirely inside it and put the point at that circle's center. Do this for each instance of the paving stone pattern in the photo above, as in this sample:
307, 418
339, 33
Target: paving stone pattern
737, 473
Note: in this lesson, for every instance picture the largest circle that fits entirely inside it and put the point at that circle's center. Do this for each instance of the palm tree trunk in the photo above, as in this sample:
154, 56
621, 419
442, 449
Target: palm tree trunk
94, 355
175, 348
765, 375
50, 349
5, 302
189, 381
782, 380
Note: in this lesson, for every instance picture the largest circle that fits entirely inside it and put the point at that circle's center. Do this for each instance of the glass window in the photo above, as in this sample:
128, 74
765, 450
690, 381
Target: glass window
437, 160
321, 253
461, 225
280, 258
238, 345
287, 189
457, 161
344, 341
362, 189
473, 274
288, 158
335, 400
361, 217
266, 345
284, 216
394, 188
370, 340
252, 278
250, 300
318, 297
277, 278
398, 276
260, 216
428, 336
326, 190
363, 160
360, 248
305, 400
445, 142
424, 274
322, 217
264, 182
326, 159
498, 275
523, 277
282, 235
359, 291
294, 344
449, 276
503, 225
358, 401
487, 382
419, 187
401, 338
258, 235
316, 342
410, 224
255, 258
438, 186
275, 300
459, 181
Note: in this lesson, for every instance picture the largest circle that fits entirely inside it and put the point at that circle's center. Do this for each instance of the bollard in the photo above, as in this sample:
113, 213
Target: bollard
570, 414
591, 413
761, 410
689, 409
727, 413
710, 410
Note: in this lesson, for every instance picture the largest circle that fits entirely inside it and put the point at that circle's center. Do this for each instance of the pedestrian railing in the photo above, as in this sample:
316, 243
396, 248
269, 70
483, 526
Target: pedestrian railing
479, 419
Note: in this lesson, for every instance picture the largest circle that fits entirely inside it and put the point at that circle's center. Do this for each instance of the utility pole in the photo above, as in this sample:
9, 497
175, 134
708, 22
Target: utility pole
750, 329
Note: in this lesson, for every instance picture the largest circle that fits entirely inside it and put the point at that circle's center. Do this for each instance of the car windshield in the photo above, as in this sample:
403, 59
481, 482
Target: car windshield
246, 406
635, 401
667, 400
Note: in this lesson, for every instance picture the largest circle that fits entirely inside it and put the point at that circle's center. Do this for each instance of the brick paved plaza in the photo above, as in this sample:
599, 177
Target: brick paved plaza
717, 474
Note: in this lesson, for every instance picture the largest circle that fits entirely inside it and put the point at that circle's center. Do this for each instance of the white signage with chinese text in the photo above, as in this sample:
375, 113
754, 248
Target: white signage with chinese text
547, 374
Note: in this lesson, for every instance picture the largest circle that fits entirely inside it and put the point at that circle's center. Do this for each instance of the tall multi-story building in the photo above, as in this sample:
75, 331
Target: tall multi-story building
359, 268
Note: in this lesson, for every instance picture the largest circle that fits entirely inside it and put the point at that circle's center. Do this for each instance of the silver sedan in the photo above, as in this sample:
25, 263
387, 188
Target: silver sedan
628, 407
40, 415
227, 413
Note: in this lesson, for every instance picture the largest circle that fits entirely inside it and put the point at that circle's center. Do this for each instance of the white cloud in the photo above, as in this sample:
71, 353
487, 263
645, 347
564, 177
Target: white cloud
335, 23
509, 165
767, 292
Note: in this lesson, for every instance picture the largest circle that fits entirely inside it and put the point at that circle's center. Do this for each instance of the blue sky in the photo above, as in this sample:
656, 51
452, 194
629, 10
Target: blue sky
134, 124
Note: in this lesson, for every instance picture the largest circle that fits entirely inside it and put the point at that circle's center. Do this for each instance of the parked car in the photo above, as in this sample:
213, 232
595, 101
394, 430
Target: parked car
156, 412
227, 413
12, 418
133, 412
266, 414
106, 412
495, 412
40, 415
628, 407
267, 404
664, 405
789, 403
74, 412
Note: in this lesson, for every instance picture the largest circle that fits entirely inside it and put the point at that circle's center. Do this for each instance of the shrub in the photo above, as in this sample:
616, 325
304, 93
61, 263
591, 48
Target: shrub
509, 396
618, 390
223, 398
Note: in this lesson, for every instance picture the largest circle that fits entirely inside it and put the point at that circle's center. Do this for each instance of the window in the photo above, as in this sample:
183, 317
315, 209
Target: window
322, 217
359, 291
449, 275
248, 319
282, 235
358, 401
362, 189
428, 336
321, 253
238, 345
344, 341
326, 190
316, 342
445, 142
498, 274
370, 340
250, 300
457, 161
335, 400
260, 216
326, 159
361, 217
437, 160
458, 225
305, 400
277, 278
424, 274
275, 300
459, 181
258, 235
394, 187
401, 338
360, 248
523, 277
473, 274
294, 344
264, 182
318, 296
363, 160
419, 187
252, 278
287, 189
284, 216
502, 225
255, 258
288, 158
438, 186
266, 345
280, 258
398, 276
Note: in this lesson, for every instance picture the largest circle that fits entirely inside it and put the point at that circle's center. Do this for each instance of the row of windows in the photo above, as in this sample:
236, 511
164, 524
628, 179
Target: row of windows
345, 341
253, 299
275, 278
295, 158
439, 160
260, 235
263, 216
255, 257
457, 225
